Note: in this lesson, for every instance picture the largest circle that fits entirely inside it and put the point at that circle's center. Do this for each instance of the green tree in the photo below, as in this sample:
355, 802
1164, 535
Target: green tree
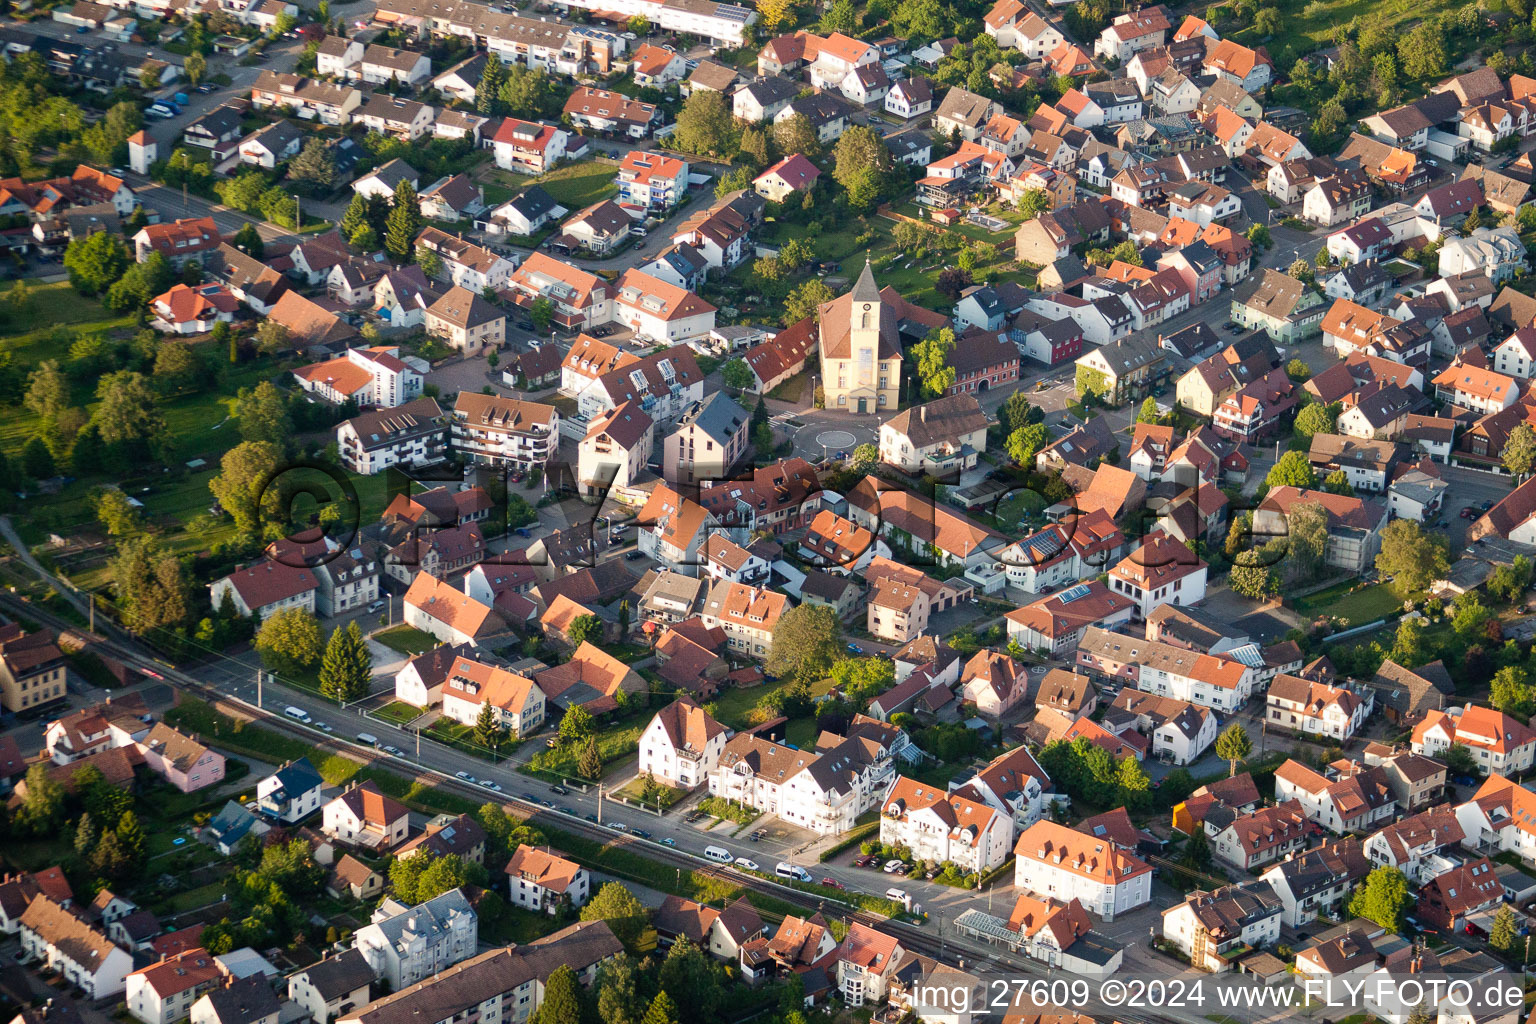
356, 213
859, 148
1297, 369
488, 92
1233, 745
151, 586
1148, 413
1252, 581
1293, 470
36, 459
663, 1011
575, 725
1316, 419
86, 835
1025, 443
1133, 789
1337, 482
795, 134
1408, 646
404, 223
242, 486
346, 667
1383, 897
1511, 692
272, 337
584, 628
1258, 234
805, 643
129, 414
541, 312
115, 513
842, 16
562, 998
489, 730
1519, 453
864, 458
1504, 936
932, 356
96, 261
618, 991
737, 375
1415, 558
692, 979
42, 810
590, 764
195, 66
753, 146
314, 164
1470, 615
1459, 760
805, 299
290, 641
1422, 51
624, 913
130, 836
262, 413
705, 125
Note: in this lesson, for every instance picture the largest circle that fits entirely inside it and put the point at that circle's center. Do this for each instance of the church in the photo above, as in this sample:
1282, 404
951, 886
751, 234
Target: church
859, 340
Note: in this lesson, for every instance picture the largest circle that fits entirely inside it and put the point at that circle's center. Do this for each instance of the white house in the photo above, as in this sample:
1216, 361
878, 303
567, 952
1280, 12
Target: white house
941, 826
1500, 743
1209, 924
405, 945
82, 955
363, 816
292, 793
517, 701
1312, 708
1054, 860
682, 745
544, 882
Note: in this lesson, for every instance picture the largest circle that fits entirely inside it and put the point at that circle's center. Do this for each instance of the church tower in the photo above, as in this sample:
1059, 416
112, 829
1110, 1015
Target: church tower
860, 349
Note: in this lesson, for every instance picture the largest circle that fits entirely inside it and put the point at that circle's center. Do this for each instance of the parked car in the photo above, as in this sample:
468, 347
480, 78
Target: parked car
591, 817
374, 607
559, 789
465, 776
832, 883
855, 648
747, 864
865, 860
640, 833
488, 784
668, 841
893, 866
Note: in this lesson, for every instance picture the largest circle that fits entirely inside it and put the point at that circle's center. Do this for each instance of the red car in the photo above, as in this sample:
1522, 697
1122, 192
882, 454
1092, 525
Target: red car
865, 861
832, 883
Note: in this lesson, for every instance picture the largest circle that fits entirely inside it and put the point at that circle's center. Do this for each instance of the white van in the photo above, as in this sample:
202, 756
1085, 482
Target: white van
718, 854
899, 896
297, 713
368, 738
784, 869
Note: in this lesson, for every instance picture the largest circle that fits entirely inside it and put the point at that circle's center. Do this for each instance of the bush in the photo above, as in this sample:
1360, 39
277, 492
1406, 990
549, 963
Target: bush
728, 810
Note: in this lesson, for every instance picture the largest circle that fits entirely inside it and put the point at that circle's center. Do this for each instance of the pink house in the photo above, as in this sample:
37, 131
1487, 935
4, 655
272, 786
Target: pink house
1199, 267
181, 760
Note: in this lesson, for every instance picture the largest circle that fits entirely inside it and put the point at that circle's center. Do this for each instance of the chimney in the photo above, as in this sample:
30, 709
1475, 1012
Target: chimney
922, 413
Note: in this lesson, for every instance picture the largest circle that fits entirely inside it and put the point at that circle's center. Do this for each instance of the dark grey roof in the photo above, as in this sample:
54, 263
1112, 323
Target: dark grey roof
396, 171
718, 416
336, 976
865, 289
244, 1001
533, 203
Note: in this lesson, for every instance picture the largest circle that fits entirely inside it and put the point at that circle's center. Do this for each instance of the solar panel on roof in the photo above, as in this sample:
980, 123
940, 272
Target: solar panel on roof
1073, 593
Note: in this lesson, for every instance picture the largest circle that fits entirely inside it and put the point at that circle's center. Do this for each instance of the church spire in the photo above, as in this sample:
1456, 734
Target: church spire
865, 289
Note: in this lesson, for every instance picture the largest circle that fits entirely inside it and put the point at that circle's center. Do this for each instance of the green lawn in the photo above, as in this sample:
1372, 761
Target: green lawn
574, 186
1311, 26
1365, 605
400, 712
406, 640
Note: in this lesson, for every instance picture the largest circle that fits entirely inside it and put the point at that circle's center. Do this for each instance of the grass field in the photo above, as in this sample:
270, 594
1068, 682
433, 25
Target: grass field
574, 186
406, 640
1362, 606
1312, 26
400, 712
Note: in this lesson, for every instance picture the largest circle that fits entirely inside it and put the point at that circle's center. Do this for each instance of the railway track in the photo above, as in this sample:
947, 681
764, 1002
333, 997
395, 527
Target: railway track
132, 654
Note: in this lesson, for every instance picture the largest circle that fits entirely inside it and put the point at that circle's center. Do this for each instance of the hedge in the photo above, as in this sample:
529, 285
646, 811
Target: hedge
855, 837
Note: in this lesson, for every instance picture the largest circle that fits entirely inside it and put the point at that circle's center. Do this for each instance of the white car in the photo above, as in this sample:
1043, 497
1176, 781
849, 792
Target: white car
893, 866
747, 864
465, 776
